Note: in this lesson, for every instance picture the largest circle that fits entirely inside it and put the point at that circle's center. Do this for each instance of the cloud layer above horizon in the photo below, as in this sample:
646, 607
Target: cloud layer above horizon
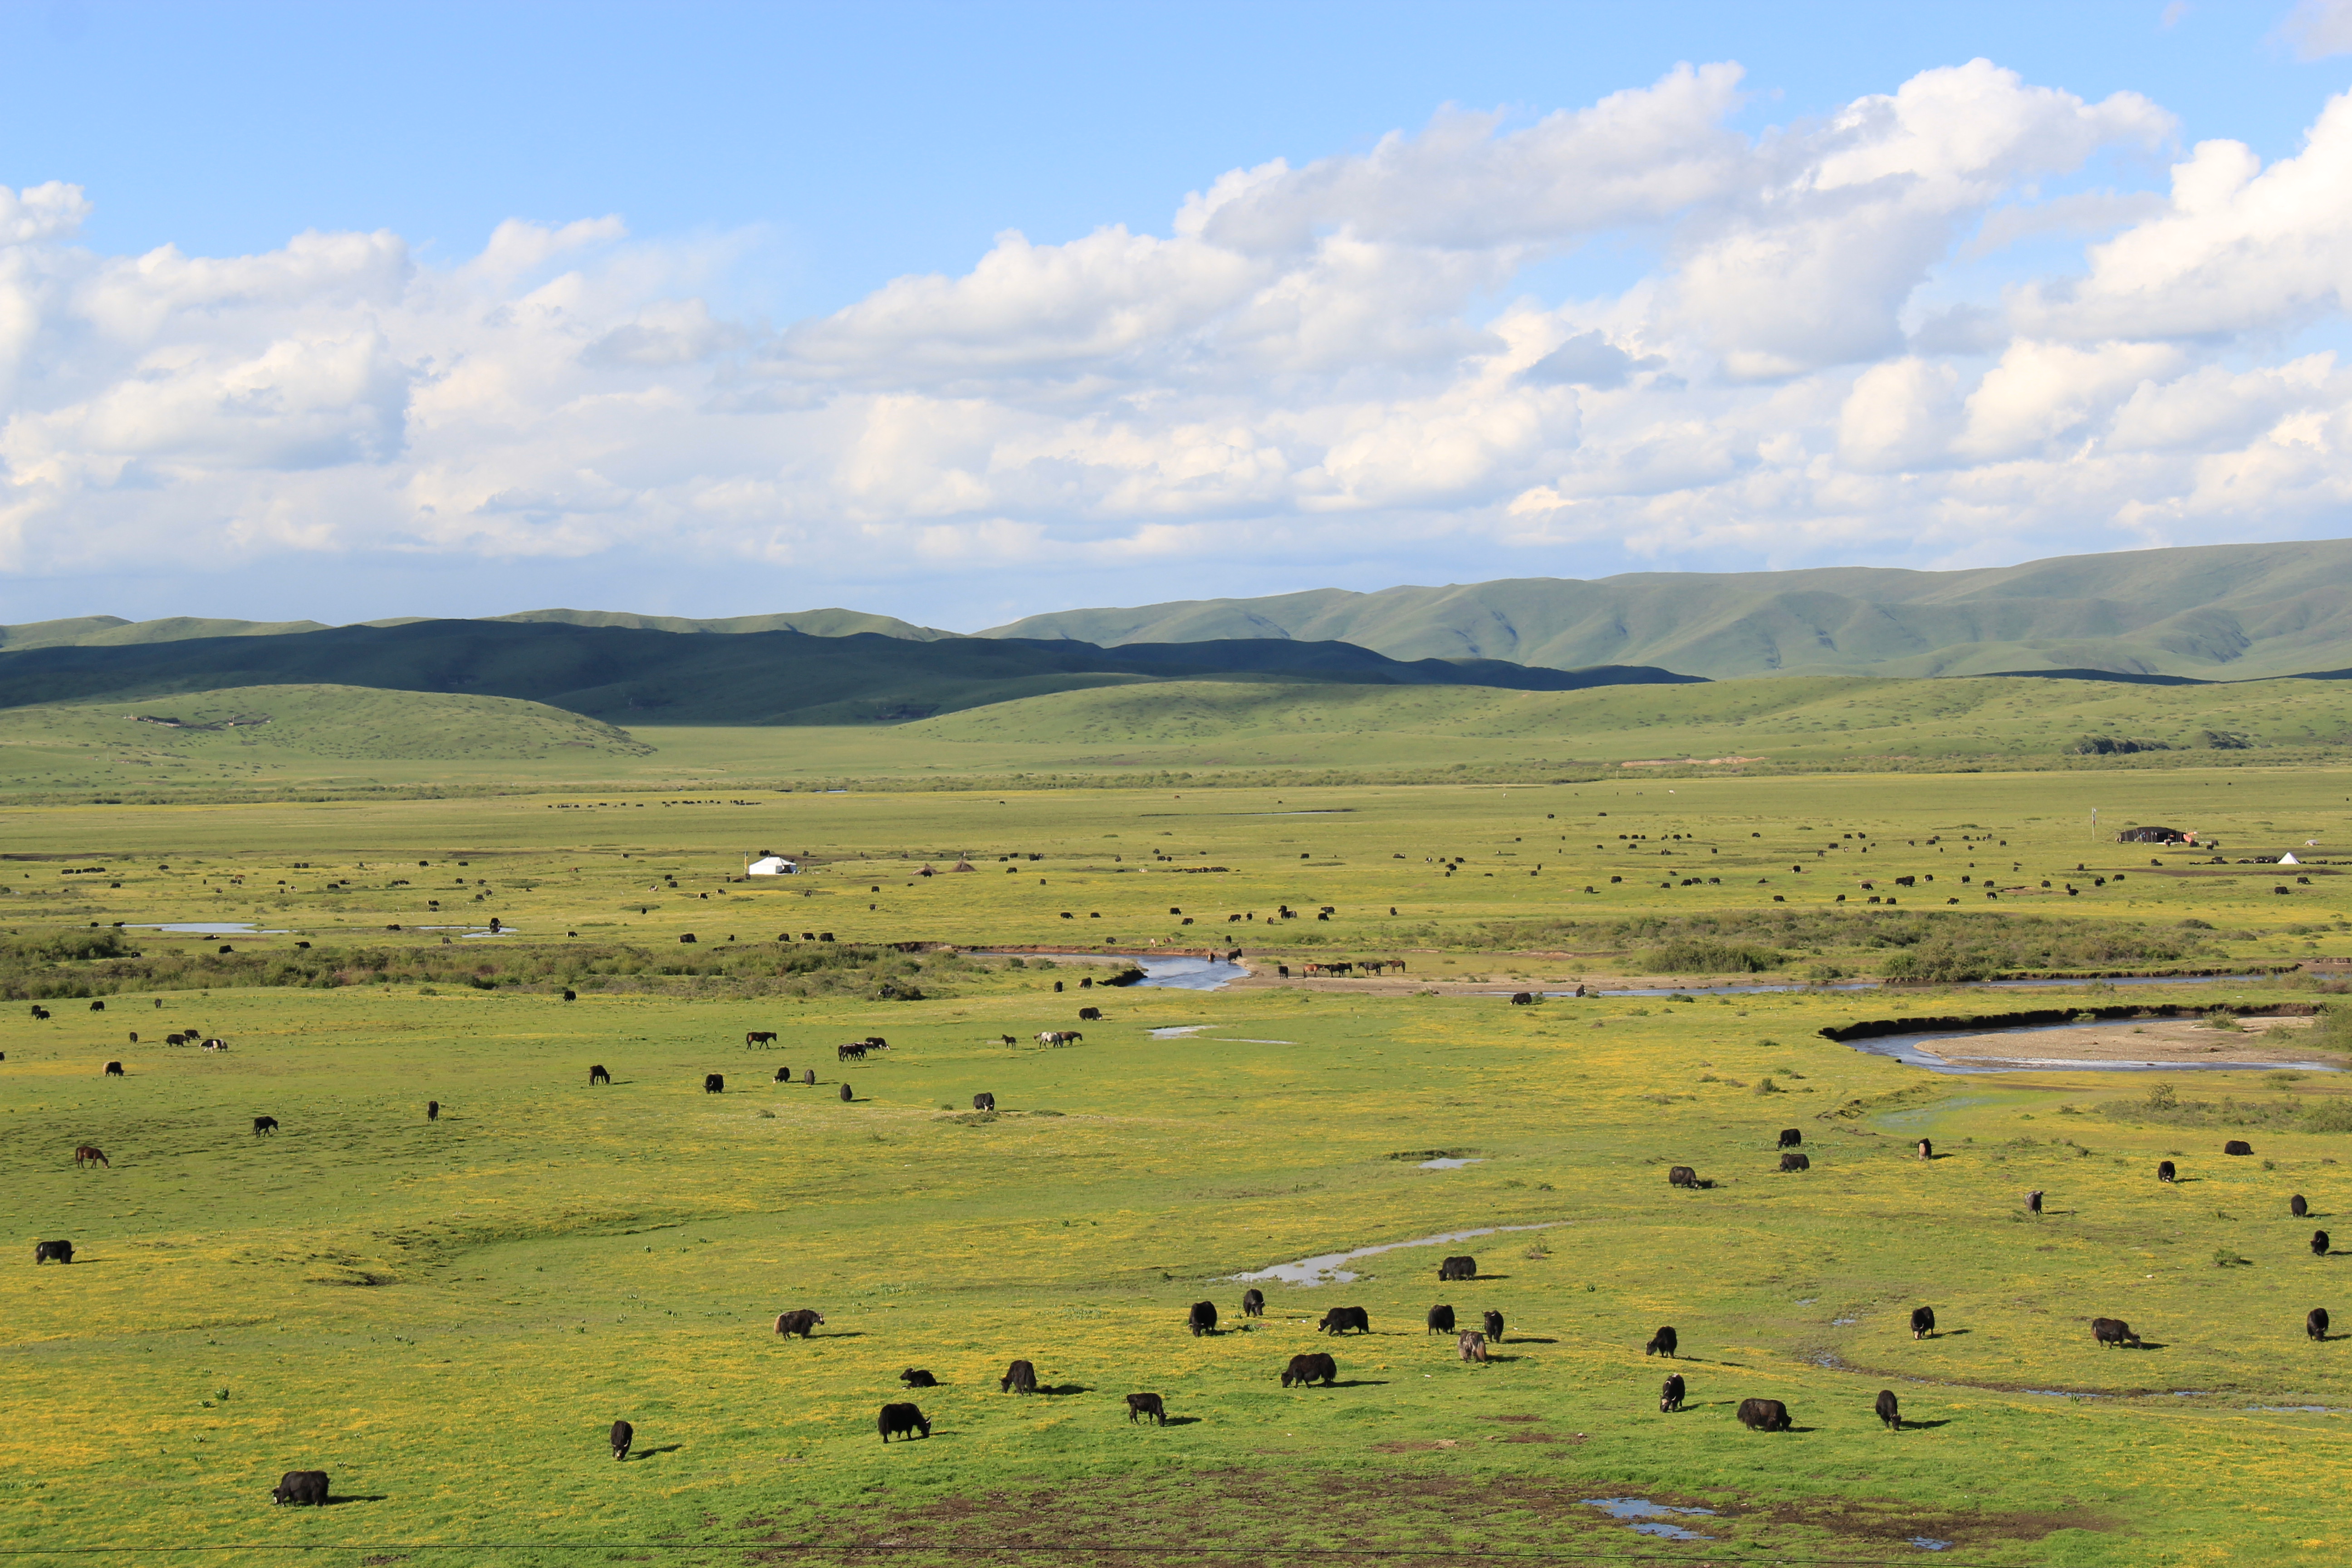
1947, 325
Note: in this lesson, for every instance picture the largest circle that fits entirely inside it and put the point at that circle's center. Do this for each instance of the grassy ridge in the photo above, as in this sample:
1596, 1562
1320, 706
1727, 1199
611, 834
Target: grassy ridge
2227, 611
1200, 731
206, 739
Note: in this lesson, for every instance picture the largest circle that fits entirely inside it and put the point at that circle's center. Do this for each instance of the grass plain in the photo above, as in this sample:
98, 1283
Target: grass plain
354, 742
446, 1315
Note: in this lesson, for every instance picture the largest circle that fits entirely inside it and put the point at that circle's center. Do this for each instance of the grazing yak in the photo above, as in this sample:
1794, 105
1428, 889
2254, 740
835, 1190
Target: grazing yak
1457, 1268
1471, 1345
623, 1436
1670, 1394
114, 1069
2314, 1324
597, 1075
846, 1095
1313, 1367
1201, 1318
1665, 1342
2033, 1202
1522, 999
1146, 1405
262, 1124
849, 1053
1019, 1378
1764, 1416
903, 1420
1340, 1319
302, 1487
1683, 1176
1440, 1320
1252, 1302
432, 1111
1927, 1148
1089, 1015
1792, 1136
800, 1322
1889, 1411
2112, 1332
2166, 1170
714, 1083
2319, 1244
1923, 1322
44, 1251
919, 1377
984, 1103
2296, 1206
91, 1155
783, 1074
1793, 1160
2237, 1146
1495, 1327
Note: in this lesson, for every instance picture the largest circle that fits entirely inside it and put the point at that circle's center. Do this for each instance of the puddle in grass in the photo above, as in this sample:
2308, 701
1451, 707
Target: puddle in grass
1166, 970
1328, 1269
1448, 1163
208, 927
1649, 1518
1929, 1543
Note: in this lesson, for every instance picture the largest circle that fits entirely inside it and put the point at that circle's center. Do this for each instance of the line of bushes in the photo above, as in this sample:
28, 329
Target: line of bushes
1931, 946
100, 963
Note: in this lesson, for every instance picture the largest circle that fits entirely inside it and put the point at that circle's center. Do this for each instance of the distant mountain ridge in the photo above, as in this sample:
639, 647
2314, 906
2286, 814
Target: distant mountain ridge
2228, 612
637, 675
2232, 612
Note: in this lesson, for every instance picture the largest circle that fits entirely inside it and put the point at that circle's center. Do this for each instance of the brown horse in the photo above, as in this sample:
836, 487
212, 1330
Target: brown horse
760, 1037
91, 1155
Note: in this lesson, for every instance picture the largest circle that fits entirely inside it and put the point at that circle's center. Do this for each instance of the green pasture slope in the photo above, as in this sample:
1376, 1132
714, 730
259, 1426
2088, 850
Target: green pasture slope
367, 741
446, 1316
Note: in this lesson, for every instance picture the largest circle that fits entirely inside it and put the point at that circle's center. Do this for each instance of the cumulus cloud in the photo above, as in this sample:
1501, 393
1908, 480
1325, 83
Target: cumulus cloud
1311, 363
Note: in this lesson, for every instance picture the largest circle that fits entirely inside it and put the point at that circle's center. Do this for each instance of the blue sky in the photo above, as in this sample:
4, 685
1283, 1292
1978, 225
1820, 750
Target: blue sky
701, 375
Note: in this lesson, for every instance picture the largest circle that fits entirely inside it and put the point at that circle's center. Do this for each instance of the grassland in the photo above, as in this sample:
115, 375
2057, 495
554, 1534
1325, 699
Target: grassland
447, 1315
351, 742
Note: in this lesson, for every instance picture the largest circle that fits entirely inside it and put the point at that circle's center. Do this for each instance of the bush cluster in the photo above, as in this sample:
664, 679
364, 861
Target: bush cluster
100, 963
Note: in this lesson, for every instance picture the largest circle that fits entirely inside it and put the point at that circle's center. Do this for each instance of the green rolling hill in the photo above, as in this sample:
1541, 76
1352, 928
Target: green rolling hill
2230, 612
1795, 719
640, 676
268, 726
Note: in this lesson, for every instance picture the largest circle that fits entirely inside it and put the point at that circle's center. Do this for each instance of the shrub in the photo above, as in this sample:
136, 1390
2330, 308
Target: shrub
1701, 956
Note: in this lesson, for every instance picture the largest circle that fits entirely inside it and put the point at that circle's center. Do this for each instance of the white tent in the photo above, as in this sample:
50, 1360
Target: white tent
771, 866
2288, 859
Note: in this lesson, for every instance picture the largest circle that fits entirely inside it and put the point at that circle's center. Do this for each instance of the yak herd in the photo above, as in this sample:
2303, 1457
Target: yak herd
904, 1420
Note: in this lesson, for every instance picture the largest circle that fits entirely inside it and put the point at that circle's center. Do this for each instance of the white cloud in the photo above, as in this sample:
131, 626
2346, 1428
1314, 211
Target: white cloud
1313, 365
2319, 28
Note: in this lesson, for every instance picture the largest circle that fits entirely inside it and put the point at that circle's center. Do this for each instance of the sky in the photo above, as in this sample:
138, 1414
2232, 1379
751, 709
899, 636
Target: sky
961, 312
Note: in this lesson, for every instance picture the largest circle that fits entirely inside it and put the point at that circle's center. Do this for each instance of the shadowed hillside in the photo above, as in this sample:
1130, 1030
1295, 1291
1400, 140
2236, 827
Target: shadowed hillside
640, 676
2225, 611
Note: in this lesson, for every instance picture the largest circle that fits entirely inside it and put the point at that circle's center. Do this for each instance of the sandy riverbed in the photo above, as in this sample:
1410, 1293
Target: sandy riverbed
2145, 1040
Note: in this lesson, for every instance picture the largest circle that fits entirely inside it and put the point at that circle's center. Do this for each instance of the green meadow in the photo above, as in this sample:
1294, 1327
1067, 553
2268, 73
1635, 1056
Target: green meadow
447, 1315
351, 742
